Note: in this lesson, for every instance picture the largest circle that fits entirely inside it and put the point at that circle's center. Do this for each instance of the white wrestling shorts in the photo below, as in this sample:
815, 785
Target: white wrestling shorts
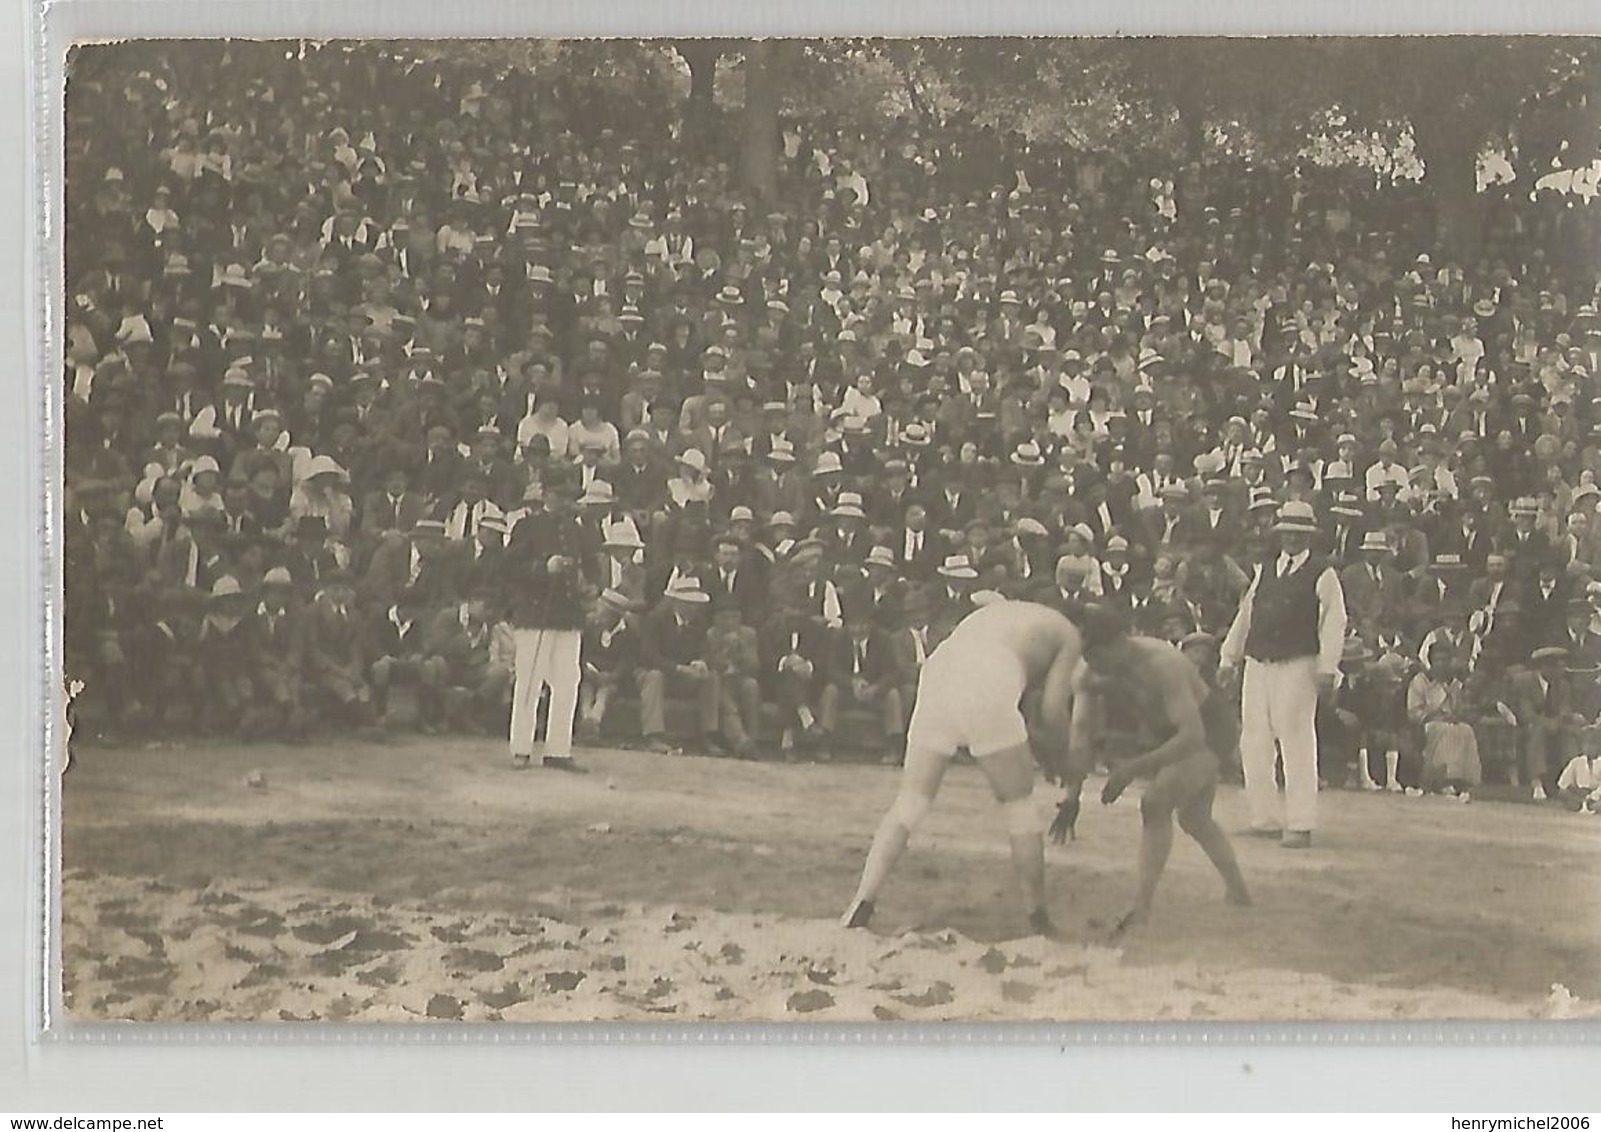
969, 697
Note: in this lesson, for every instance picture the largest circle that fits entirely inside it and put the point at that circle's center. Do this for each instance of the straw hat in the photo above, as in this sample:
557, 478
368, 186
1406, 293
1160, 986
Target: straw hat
1296, 516
687, 590
958, 566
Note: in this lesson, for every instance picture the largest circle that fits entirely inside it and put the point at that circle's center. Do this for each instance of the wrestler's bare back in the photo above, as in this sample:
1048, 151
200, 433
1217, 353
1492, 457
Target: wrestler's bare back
1037, 635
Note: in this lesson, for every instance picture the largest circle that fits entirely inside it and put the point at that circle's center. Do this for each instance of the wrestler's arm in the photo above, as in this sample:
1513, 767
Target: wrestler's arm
1175, 693
1059, 725
1073, 711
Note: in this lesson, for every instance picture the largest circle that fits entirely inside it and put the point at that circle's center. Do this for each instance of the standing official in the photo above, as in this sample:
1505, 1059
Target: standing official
542, 571
1290, 630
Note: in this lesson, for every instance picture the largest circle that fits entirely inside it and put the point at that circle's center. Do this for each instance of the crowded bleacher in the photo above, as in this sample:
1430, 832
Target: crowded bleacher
338, 325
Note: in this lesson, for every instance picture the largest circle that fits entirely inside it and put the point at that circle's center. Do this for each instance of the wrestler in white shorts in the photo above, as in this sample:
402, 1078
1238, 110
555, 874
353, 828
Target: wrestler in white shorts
970, 699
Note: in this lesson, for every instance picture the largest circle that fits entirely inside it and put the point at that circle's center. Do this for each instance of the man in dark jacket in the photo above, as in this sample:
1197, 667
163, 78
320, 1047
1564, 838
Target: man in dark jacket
542, 572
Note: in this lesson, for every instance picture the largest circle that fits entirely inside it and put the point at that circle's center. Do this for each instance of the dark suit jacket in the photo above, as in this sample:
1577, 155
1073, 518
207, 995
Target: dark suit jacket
665, 643
379, 513
878, 667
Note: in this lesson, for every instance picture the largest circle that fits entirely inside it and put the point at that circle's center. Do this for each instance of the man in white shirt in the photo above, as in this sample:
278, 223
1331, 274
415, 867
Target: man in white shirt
1579, 785
1290, 631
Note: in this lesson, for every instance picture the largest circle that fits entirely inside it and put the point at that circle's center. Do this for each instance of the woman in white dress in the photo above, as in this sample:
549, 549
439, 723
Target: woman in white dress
1435, 701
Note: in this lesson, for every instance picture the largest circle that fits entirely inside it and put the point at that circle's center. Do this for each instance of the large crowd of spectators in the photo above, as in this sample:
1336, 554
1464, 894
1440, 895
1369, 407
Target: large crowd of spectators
368, 360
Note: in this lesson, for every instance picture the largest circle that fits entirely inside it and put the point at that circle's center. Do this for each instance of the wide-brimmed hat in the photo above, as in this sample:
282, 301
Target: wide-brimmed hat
1028, 455
598, 491
781, 519
1549, 652
958, 566
693, 458
1523, 506
828, 463
915, 435
1374, 540
1356, 651
688, 590
225, 587
1444, 562
428, 528
324, 466
849, 506
623, 535
1347, 504
1296, 516
880, 556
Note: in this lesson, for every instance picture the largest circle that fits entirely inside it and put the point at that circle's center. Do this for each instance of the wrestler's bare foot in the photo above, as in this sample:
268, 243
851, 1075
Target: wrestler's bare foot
857, 915
1130, 920
1040, 923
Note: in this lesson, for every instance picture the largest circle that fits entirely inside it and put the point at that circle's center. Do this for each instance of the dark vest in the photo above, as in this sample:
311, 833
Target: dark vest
1284, 613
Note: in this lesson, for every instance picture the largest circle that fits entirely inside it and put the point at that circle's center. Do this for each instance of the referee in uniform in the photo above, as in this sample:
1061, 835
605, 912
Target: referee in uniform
1290, 631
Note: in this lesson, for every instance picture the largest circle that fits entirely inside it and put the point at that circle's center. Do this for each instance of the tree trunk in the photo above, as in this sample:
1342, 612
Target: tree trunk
1451, 175
759, 139
700, 56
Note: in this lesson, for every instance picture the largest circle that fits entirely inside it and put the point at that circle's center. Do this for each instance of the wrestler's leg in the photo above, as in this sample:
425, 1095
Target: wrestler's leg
1010, 772
1195, 818
920, 780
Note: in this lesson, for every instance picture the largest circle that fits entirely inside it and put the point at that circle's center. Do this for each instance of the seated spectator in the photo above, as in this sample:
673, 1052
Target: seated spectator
398, 657
223, 658
1579, 784
1541, 708
336, 651
733, 653
794, 655
673, 657
474, 684
862, 673
276, 652
609, 656
1436, 701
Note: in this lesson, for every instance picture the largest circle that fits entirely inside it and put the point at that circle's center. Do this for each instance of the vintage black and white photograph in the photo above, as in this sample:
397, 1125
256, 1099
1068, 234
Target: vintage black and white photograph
839, 530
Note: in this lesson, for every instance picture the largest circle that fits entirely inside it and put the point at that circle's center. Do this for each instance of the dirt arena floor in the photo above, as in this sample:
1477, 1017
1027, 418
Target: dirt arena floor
425, 880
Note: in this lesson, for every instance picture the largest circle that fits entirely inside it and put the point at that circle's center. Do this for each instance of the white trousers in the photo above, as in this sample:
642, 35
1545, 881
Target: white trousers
544, 656
1278, 703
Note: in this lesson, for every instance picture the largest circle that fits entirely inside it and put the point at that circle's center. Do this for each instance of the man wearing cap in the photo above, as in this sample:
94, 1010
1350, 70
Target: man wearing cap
543, 571
1540, 700
1290, 632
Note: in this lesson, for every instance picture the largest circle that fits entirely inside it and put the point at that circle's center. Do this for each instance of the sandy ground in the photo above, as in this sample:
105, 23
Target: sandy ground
422, 880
